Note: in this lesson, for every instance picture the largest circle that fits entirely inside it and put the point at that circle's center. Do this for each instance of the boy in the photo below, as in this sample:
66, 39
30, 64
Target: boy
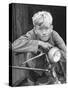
42, 35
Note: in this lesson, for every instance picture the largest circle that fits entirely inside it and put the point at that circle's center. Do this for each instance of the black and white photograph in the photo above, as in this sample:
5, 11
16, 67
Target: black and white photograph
37, 44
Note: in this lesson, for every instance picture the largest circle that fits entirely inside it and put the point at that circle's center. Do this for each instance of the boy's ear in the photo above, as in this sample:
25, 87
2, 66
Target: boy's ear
35, 31
51, 26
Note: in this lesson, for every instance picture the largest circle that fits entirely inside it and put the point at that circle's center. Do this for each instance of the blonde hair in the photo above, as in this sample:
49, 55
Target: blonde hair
42, 17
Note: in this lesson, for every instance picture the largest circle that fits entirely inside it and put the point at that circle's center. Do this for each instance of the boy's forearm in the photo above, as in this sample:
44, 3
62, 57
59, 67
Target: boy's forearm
26, 46
45, 45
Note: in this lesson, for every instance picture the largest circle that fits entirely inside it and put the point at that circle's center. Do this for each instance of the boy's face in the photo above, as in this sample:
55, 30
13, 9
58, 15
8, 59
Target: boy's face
43, 32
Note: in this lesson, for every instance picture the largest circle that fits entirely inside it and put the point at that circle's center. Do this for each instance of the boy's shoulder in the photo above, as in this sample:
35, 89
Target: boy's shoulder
31, 33
54, 33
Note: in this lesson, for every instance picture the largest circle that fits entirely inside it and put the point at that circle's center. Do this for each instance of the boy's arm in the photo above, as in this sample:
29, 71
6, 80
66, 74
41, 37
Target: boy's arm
25, 44
59, 43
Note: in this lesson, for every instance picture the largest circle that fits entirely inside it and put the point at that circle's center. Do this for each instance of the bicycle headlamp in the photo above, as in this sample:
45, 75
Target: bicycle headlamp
54, 55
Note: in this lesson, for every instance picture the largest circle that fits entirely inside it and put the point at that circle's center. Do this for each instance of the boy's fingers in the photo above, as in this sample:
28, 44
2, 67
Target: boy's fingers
50, 45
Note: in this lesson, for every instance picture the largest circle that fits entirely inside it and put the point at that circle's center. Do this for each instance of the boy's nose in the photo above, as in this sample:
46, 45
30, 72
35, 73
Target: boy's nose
44, 32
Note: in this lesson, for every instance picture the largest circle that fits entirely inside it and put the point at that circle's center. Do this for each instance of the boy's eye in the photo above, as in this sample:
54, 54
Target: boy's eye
39, 24
41, 27
46, 28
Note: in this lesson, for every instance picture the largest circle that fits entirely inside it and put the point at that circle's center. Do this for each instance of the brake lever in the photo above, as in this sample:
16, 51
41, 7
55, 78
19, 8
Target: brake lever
33, 58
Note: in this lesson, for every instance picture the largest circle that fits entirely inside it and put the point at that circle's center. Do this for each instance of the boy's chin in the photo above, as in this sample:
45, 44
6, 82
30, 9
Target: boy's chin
45, 39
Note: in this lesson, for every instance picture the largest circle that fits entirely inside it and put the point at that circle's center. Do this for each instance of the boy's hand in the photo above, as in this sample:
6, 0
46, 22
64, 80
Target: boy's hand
45, 45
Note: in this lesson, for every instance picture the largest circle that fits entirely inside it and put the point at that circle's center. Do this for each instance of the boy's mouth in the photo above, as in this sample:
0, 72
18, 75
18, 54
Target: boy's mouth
44, 37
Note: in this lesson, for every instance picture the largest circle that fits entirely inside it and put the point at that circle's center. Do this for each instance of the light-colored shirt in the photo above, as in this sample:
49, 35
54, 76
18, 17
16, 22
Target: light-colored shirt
29, 42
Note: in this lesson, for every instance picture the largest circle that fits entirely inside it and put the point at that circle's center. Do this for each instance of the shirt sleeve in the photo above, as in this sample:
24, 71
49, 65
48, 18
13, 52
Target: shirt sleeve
25, 43
59, 42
